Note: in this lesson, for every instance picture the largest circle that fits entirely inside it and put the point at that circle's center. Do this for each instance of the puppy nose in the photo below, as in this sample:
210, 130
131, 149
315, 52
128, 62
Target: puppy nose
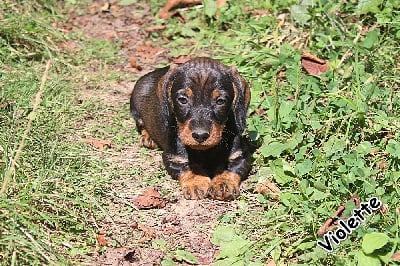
200, 136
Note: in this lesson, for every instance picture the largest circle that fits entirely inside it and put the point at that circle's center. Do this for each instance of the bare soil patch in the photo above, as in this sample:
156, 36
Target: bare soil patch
127, 235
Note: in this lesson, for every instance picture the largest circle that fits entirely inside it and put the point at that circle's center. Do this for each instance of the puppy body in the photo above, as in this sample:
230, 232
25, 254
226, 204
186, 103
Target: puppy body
195, 113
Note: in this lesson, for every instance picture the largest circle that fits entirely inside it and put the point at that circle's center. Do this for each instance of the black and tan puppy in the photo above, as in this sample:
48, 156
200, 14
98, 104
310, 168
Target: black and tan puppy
196, 113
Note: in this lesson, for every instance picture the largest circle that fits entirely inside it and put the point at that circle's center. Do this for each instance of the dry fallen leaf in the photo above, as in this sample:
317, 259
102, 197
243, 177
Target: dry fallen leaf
100, 144
312, 64
101, 239
106, 7
181, 59
155, 28
356, 200
395, 256
149, 199
134, 64
271, 263
147, 51
382, 165
259, 12
384, 209
332, 222
164, 12
268, 187
221, 3
149, 233
69, 46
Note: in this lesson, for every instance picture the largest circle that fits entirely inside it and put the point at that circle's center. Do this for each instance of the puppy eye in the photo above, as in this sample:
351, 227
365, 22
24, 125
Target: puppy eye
220, 101
182, 100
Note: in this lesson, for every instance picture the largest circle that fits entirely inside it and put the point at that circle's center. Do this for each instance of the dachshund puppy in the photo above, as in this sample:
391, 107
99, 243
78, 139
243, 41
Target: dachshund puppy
196, 113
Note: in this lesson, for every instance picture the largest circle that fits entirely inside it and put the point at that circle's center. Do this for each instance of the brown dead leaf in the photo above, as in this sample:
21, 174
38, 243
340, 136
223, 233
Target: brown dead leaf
106, 7
5, 105
165, 13
149, 199
268, 187
101, 239
94, 8
101, 144
147, 51
271, 263
134, 64
259, 111
396, 256
312, 64
388, 136
155, 28
181, 59
356, 200
384, 209
332, 222
149, 233
68, 46
307, 55
221, 3
381, 165
259, 12
373, 151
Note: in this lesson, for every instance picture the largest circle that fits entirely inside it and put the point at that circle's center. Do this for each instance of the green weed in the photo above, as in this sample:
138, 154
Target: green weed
323, 138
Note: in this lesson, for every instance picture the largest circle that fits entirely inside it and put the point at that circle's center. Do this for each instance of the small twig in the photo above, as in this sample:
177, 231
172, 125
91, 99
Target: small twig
348, 53
33, 241
21, 145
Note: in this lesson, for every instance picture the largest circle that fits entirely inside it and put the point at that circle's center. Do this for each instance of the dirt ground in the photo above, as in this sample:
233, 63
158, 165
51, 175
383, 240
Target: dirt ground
128, 235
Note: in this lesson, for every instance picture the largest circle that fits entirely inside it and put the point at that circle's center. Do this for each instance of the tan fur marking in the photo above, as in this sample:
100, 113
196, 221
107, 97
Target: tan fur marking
247, 94
225, 186
146, 141
235, 93
194, 186
185, 134
235, 155
215, 94
178, 159
160, 86
169, 95
189, 92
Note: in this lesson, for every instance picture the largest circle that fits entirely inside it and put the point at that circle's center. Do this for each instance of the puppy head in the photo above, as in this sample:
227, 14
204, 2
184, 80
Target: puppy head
202, 95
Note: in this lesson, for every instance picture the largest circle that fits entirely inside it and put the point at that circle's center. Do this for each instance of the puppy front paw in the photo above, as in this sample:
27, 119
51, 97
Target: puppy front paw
146, 141
194, 186
225, 186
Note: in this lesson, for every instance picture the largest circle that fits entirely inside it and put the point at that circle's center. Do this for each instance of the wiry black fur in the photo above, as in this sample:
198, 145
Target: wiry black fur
156, 107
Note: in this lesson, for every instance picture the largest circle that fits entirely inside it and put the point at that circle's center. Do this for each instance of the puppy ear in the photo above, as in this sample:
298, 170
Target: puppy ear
241, 99
164, 86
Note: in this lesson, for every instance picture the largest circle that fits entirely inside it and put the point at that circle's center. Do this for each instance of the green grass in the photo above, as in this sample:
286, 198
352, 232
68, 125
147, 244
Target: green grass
321, 138
48, 205
53, 192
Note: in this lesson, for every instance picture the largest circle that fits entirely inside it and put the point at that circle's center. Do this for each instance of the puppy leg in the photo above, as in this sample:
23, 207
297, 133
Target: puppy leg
226, 185
194, 186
